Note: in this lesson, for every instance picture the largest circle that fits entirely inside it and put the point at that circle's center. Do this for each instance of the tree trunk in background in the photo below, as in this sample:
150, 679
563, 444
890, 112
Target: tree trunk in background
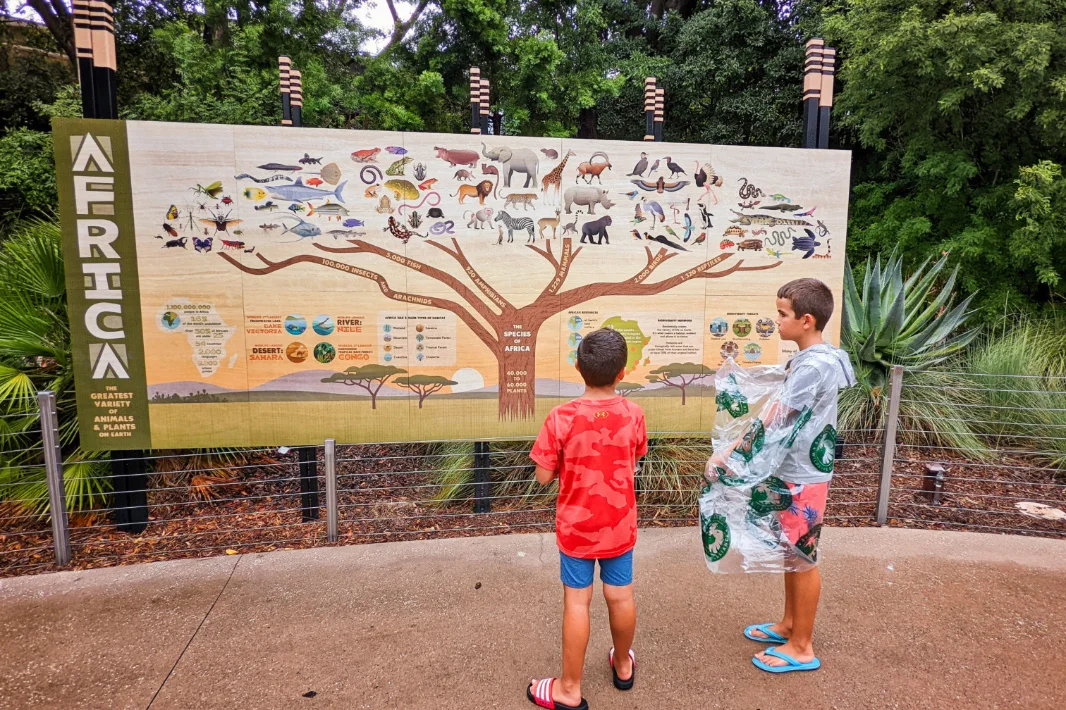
586, 124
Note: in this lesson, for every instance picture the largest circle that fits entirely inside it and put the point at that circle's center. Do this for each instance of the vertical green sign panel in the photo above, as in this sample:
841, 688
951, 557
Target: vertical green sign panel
96, 207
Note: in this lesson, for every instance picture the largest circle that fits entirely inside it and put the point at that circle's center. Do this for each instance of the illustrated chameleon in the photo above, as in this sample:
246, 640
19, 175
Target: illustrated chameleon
765, 219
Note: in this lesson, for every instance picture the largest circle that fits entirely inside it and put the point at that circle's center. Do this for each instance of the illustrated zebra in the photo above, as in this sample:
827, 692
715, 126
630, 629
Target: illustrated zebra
512, 224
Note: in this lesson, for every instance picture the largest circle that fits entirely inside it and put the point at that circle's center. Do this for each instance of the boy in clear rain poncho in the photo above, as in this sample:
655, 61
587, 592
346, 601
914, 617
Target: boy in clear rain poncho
775, 443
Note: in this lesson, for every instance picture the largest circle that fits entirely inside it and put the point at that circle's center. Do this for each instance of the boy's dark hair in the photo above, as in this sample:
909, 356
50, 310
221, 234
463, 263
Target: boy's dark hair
601, 356
809, 296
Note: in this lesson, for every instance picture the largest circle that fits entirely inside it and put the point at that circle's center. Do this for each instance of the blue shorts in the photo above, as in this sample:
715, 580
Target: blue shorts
577, 573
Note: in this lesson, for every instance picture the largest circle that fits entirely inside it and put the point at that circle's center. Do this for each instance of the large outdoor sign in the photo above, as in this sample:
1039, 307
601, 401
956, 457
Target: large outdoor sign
238, 285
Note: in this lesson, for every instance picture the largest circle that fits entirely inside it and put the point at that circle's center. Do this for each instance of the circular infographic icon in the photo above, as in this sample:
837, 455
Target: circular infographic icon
296, 352
574, 340
323, 325
387, 328
387, 338
171, 320
295, 325
572, 357
420, 327
752, 352
387, 357
388, 348
325, 352
729, 349
765, 327
719, 327
420, 337
742, 327
420, 357
575, 323
420, 347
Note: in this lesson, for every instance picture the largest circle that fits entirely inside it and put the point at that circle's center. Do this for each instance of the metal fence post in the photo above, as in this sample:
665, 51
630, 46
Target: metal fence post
888, 444
331, 489
482, 484
308, 458
53, 464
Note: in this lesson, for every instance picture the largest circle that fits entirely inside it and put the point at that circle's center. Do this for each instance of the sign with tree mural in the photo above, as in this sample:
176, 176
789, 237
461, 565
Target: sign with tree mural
240, 285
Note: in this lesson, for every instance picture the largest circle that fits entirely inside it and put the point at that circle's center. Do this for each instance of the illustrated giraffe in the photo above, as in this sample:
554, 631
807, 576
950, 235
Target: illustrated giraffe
555, 177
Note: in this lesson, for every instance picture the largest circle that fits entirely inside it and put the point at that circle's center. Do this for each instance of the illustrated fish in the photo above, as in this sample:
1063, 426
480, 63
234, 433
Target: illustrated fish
330, 209
268, 205
268, 227
340, 233
172, 213
396, 150
314, 182
783, 207
280, 167
296, 207
304, 230
308, 160
298, 192
253, 193
397, 167
402, 189
331, 173
805, 244
354, 223
272, 178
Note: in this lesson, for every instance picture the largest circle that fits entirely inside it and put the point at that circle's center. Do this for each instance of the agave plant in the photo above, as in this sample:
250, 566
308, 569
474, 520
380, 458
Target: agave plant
897, 322
907, 322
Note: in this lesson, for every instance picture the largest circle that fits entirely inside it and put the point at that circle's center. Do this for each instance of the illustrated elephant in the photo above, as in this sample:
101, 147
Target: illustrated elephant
521, 160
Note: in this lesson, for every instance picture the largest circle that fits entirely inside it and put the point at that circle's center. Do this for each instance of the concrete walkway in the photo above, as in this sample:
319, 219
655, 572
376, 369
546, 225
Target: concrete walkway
909, 619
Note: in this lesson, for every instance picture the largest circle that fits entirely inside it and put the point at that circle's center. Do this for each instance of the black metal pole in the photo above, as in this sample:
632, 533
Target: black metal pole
649, 108
812, 83
284, 70
308, 457
825, 95
660, 103
129, 494
102, 26
83, 45
297, 98
475, 100
484, 103
482, 484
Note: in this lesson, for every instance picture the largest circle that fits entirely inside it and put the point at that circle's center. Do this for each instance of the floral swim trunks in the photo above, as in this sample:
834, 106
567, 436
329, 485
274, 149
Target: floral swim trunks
801, 522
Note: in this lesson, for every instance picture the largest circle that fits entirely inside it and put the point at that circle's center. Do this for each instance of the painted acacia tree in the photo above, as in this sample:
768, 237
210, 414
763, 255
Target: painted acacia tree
369, 377
424, 385
627, 388
679, 375
508, 331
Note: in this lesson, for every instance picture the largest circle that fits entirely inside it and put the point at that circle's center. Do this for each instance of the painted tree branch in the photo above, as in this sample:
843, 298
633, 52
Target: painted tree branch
466, 316
481, 283
362, 247
561, 265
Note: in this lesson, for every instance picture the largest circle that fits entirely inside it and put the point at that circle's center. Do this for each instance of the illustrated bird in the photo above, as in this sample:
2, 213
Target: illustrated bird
808, 213
701, 239
660, 185
671, 232
688, 228
636, 234
654, 167
674, 168
641, 166
663, 240
638, 214
656, 209
632, 194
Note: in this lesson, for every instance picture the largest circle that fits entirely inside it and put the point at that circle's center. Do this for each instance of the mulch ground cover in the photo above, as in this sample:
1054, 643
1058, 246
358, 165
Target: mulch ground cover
386, 493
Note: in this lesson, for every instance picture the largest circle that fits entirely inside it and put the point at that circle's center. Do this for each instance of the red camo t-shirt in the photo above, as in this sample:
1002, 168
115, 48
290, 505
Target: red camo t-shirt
594, 445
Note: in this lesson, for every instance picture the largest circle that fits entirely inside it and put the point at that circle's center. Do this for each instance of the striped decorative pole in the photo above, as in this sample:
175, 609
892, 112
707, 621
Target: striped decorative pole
83, 45
649, 108
484, 104
104, 64
475, 99
284, 69
825, 95
812, 84
660, 102
296, 87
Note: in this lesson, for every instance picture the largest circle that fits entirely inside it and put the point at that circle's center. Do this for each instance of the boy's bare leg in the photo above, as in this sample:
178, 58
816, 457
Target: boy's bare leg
623, 613
806, 588
575, 639
784, 627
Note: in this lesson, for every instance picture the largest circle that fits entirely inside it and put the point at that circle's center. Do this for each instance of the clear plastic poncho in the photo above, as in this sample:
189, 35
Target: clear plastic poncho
740, 506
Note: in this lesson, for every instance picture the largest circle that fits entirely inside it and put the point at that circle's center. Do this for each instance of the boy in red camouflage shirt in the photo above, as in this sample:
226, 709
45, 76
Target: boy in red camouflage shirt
592, 445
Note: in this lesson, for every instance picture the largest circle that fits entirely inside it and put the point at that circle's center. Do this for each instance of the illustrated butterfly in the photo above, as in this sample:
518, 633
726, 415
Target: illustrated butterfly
202, 245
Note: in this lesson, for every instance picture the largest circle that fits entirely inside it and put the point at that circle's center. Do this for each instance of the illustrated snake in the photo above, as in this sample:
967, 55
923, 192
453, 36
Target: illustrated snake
434, 195
372, 169
447, 227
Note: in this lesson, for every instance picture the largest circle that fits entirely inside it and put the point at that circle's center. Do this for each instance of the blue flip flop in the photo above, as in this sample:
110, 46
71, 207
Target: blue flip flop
793, 664
770, 637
